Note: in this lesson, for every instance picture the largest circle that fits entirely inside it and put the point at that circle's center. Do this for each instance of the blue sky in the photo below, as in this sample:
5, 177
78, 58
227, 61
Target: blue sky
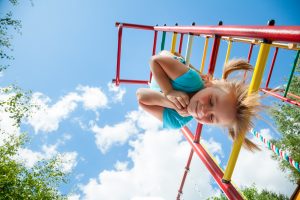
66, 56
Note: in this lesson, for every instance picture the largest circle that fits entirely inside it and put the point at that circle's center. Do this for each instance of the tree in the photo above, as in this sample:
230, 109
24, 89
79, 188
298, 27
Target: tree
6, 23
16, 180
287, 120
19, 182
251, 193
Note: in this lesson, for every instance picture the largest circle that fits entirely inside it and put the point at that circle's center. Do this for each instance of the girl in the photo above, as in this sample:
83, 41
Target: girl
178, 93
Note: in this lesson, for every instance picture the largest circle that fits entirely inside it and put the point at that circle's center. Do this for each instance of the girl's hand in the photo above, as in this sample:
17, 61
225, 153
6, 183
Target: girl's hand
183, 112
179, 98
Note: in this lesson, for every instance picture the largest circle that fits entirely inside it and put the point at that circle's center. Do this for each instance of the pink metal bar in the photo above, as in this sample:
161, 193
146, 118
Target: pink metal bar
135, 26
249, 58
180, 43
198, 133
120, 29
153, 51
130, 81
187, 168
212, 167
214, 55
196, 139
280, 97
250, 52
273, 33
272, 66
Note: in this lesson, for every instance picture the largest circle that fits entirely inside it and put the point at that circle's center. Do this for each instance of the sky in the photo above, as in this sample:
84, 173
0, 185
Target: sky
66, 55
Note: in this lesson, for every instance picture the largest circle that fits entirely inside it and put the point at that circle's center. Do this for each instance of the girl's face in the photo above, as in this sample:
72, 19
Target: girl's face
212, 105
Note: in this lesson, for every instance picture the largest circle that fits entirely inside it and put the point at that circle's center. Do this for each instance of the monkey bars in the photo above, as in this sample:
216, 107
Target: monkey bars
287, 37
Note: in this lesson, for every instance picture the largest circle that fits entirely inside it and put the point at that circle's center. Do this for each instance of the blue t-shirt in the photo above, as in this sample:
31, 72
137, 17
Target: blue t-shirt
188, 82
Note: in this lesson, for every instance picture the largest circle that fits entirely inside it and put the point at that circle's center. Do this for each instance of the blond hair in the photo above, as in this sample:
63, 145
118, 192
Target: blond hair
247, 105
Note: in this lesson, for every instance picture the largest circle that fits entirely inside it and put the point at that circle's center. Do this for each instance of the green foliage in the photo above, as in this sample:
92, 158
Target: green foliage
16, 180
251, 193
19, 182
15, 102
6, 24
287, 119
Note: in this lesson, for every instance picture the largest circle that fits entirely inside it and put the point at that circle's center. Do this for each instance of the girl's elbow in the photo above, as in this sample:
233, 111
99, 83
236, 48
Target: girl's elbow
140, 95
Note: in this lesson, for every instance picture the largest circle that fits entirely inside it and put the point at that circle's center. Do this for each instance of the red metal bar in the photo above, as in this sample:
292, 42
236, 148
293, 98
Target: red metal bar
272, 66
280, 97
120, 30
250, 52
153, 50
198, 133
214, 55
229, 190
273, 33
130, 81
249, 58
136, 26
187, 168
180, 43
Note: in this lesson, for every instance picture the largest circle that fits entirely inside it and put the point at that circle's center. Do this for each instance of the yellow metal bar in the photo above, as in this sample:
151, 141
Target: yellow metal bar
189, 49
173, 45
254, 86
228, 51
204, 54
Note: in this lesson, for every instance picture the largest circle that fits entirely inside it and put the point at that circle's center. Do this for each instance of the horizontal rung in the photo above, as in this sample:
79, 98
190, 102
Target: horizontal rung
131, 81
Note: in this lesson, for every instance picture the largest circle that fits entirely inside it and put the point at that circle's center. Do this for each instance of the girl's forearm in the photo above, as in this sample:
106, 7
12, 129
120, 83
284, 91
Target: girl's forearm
161, 77
150, 97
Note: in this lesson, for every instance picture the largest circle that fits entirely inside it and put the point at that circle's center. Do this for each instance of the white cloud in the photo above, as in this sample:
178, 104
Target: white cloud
93, 98
28, 157
158, 159
121, 166
120, 133
108, 136
118, 92
261, 169
47, 117
74, 197
68, 159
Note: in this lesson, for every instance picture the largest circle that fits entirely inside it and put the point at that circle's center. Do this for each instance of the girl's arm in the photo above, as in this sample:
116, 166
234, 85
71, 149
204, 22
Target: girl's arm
153, 102
165, 68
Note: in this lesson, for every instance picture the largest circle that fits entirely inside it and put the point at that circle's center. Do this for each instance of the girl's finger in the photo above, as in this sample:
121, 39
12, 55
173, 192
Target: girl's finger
181, 101
176, 102
186, 99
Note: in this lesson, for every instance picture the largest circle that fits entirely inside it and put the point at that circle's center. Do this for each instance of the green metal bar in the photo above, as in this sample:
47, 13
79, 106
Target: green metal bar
292, 74
163, 40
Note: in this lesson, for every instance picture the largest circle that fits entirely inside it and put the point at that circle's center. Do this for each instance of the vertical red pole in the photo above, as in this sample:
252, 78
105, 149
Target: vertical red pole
249, 58
228, 189
180, 43
187, 169
272, 66
153, 50
198, 133
214, 53
120, 29
250, 52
